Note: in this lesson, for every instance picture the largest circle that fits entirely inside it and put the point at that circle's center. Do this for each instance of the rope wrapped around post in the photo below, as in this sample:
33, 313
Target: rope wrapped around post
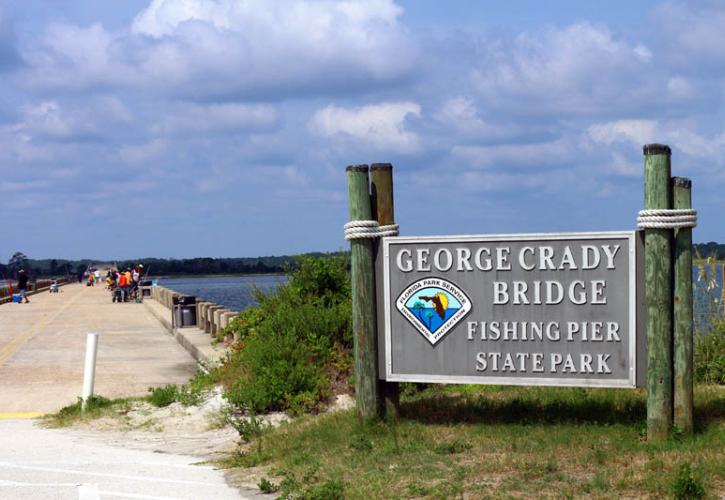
360, 229
667, 218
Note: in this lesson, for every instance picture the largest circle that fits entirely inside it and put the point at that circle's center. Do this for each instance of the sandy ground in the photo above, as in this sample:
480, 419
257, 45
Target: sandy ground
199, 431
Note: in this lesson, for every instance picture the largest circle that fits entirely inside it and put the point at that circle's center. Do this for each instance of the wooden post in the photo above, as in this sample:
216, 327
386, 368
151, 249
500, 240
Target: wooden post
682, 198
367, 395
381, 175
658, 293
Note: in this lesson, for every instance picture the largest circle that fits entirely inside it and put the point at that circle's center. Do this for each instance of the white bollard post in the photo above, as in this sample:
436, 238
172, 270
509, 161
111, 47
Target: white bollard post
89, 373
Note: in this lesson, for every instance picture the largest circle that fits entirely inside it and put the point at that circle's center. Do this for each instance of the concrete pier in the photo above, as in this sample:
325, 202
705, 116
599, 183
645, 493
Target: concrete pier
42, 346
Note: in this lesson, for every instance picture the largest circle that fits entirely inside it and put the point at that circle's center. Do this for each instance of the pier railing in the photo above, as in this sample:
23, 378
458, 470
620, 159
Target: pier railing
36, 286
210, 317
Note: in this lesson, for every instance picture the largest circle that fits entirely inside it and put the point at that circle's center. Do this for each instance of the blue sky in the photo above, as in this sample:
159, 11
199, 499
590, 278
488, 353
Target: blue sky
182, 128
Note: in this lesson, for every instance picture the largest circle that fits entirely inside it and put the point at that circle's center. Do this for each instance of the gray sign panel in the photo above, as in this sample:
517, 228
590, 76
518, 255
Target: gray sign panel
542, 309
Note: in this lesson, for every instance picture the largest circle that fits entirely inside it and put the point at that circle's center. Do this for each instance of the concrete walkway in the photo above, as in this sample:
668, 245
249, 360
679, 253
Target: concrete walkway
42, 347
51, 464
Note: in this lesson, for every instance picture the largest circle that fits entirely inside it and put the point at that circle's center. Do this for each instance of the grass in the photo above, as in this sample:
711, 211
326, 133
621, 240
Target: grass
191, 393
480, 442
98, 407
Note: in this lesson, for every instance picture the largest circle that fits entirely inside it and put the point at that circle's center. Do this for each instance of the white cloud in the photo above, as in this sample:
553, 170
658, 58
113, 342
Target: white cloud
692, 34
76, 58
382, 126
163, 17
89, 119
639, 132
679, 135
231, 48
461, 114
679, 88
579, 70
621, 164
531, 155
216, 118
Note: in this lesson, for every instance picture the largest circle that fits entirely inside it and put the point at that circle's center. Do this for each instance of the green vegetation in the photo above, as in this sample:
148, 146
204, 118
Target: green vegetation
163, 396
709, 352
716, 250
686, 486
491, 441
189, 394
97, 407
266, 486
710, 355
248, 427
295, 347
160, 267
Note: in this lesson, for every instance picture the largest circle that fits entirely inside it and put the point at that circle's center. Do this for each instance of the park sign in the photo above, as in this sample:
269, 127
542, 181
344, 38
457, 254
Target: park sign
538, 309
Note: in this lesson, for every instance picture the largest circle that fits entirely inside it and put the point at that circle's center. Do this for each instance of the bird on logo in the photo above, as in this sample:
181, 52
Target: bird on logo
440, 303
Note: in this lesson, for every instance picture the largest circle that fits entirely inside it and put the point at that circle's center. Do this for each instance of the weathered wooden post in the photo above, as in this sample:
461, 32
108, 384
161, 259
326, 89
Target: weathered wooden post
364, 326
383, 210
658, 286
682, 199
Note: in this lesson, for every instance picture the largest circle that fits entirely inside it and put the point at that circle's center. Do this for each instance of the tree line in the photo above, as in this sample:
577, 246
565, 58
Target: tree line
710, 249
41, 268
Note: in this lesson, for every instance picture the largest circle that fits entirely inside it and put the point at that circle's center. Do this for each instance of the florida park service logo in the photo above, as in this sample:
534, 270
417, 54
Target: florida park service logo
433, 306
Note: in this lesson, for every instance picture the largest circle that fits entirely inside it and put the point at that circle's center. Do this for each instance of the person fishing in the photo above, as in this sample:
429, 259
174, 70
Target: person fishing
23, 286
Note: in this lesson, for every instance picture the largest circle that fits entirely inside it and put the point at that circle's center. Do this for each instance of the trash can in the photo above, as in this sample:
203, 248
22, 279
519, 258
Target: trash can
184, 311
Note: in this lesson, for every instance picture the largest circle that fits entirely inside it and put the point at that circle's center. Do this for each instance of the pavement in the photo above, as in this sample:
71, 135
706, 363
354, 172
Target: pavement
195, 340
42, 349
41, 464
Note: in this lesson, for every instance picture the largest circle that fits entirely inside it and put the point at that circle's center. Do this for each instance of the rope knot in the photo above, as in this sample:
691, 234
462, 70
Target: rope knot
360, 229
667, 218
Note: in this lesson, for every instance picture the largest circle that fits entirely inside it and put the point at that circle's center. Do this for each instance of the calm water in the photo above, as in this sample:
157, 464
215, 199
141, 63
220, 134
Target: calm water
234, 292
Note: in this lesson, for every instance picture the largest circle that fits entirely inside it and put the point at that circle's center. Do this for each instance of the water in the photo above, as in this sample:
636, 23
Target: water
234, 292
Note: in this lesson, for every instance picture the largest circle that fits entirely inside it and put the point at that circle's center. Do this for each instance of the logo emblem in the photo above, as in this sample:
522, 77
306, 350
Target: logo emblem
433, 306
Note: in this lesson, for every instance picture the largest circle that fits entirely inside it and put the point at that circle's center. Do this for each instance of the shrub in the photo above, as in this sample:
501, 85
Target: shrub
687, 486
266, 486
163, 396
289, 343
452, 447
709, 355
332, 489
247, 428
93, 404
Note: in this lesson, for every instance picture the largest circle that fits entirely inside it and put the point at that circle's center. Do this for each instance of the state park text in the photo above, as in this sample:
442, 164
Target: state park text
552, 309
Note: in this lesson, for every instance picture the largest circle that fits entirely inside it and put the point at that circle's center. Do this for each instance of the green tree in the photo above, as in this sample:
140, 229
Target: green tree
17, 262
418, 307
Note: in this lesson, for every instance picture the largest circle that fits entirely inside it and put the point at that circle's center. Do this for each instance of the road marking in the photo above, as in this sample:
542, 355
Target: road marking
120, 494
20, 415
15, 344
9, 465
88, 491
114, 494
5, 482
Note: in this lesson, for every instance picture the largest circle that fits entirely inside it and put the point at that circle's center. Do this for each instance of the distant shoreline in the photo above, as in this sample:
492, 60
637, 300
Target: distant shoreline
232, 275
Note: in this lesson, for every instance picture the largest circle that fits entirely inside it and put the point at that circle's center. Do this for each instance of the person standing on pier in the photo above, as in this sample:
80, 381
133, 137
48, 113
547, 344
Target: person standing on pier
23, 286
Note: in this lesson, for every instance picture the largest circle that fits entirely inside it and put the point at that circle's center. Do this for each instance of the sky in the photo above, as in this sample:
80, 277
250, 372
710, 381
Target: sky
222, 128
